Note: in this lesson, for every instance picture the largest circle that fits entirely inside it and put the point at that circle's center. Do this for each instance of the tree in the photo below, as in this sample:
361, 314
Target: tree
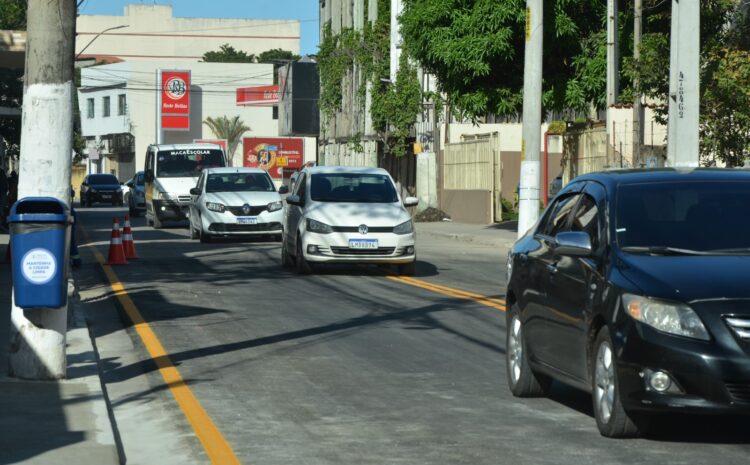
228, 54
229, 129
277, 54
476, 51
13, 14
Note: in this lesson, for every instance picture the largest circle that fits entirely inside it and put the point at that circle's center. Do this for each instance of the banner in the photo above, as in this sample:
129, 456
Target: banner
261, 96
221, 142
273, 153
174, 100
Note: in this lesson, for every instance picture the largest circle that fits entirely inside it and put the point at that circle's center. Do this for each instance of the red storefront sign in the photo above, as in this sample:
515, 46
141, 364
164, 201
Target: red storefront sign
174, 99
257, 96
272, 153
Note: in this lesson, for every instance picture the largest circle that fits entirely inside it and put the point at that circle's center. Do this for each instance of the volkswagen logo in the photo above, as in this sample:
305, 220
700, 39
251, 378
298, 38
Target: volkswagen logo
363, 229
246, 209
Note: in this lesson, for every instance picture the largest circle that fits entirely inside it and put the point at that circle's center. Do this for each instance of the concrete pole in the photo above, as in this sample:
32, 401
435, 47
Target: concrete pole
37, 337
637, 104
528, 195
613, 62
684, 85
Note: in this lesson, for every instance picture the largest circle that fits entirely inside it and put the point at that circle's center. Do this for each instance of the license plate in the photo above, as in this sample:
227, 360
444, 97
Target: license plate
363, 243
247, 220
106, 196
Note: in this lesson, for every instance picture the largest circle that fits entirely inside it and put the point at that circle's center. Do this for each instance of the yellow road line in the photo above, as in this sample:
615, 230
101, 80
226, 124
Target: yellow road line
216, 446
498, 304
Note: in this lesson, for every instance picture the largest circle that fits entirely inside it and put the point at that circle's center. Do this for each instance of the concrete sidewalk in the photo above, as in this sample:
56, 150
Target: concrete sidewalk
54, 422
498, 235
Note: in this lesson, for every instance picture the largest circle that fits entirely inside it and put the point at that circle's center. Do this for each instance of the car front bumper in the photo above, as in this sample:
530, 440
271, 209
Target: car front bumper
708, 376
335, 248
228, 224
170, 210
104, 197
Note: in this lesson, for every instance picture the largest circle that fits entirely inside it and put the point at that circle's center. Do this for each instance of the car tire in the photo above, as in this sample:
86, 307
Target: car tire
407, 269
611, 419
522, 380
194, 234
303, 266
204, 238
286, 260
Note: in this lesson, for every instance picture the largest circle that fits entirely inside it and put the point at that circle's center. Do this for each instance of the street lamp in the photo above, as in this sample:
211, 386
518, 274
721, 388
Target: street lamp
97, 36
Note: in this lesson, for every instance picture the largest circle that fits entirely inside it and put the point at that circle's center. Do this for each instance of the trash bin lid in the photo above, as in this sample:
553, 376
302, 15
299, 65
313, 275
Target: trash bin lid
38, 210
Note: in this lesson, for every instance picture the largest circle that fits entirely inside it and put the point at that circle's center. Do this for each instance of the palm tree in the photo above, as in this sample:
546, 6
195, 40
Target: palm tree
229, 129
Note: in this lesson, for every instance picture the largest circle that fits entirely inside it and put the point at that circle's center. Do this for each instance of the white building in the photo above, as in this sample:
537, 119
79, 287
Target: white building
151, 33
118, 109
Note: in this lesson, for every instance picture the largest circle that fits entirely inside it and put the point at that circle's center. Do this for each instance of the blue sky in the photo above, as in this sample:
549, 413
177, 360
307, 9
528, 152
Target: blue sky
306, 11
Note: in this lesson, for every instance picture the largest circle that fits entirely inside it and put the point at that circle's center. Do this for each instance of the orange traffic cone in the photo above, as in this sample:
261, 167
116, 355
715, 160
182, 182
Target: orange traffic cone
116, 252
127, 240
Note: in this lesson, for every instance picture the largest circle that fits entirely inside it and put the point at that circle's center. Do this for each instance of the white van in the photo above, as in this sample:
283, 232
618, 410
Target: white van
171, 171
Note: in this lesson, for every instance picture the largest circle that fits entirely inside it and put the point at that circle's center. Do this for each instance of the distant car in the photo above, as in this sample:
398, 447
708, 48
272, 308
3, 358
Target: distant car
347, 215
234, 201
135, 196
101, 188
633, 287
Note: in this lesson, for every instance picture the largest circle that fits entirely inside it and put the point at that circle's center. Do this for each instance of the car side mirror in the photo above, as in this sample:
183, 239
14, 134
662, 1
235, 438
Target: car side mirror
573, 244
411, 202
129, 184
195, 191
294, 200
283, 190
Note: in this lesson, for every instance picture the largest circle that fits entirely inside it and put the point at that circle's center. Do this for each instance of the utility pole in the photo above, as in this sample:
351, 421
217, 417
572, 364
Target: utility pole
637, 104
613, 62
684, 85
38, 335
528, 192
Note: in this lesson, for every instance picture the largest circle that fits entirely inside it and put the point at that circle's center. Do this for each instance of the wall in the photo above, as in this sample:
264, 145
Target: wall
468, 206
153, 34
100, 125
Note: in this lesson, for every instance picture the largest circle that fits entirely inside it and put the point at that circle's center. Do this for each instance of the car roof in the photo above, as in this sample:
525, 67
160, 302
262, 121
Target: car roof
100, 175
613, 178
345, 169
236, 169
186, 146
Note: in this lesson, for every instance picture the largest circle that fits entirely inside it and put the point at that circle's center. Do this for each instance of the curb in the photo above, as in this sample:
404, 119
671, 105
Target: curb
496, 242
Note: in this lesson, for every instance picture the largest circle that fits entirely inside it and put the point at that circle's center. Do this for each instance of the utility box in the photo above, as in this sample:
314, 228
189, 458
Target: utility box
39, 232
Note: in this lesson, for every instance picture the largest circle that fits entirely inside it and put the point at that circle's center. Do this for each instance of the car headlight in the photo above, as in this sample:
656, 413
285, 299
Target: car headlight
672, 318
215, 207
406, 227
274, 206
318, 227
167, 196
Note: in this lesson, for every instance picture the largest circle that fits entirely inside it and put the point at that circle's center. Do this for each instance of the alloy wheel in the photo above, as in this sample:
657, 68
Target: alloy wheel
604, 381
515, 349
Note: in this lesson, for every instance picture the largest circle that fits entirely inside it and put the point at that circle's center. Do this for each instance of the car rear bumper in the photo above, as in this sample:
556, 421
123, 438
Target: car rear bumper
708, 376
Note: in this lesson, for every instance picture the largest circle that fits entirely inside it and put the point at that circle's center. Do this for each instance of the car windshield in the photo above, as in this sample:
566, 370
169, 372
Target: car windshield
239, 182
707, 216
182, 163
352, 187
101, 179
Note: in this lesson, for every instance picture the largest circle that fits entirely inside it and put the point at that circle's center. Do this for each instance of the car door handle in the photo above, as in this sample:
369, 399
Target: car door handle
552, 269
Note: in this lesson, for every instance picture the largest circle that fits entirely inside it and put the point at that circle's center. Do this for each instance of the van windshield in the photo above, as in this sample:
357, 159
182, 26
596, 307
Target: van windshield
183, 163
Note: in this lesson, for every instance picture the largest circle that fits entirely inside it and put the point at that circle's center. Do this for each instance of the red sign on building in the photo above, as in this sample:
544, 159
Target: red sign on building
272, 153
260, 96
174, 99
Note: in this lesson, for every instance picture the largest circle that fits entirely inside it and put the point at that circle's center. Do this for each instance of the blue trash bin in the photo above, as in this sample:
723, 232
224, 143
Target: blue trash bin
39, 230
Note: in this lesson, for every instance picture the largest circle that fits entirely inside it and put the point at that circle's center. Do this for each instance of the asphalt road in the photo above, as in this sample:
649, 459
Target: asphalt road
346, 366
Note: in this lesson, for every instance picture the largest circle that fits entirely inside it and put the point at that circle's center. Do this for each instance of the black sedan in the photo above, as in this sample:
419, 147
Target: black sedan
101, 188
633, 286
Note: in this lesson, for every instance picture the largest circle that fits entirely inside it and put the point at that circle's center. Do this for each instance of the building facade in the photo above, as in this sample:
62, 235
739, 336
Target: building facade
151, 33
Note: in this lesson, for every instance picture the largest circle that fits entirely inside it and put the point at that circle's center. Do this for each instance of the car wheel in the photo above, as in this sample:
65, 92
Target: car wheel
303, 266
286, 260
194, 234
407, 269
205, 238
157, 223
522, 380
613, 421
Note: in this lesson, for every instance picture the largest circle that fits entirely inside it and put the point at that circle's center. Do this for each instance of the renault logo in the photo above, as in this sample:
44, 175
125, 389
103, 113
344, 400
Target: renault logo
246, 209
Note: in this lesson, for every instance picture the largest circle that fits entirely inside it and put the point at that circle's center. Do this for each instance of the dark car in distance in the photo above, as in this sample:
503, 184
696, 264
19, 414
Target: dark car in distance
101, 188
135, 196
634, 286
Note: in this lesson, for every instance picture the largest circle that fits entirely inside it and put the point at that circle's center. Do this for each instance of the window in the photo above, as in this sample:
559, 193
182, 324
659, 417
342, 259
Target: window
89, 108
121, 104
105, 106
557, 216
275, 112
299, 189
586, 219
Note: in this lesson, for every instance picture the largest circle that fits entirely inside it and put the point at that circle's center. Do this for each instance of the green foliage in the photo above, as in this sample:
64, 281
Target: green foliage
509, 212
13, 14
557, 127
476, 51
229, 129
277, 54
228, 54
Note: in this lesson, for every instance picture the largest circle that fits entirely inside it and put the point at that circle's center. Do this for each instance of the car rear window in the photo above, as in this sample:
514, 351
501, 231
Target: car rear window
352, 187
103, 179
704, 215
